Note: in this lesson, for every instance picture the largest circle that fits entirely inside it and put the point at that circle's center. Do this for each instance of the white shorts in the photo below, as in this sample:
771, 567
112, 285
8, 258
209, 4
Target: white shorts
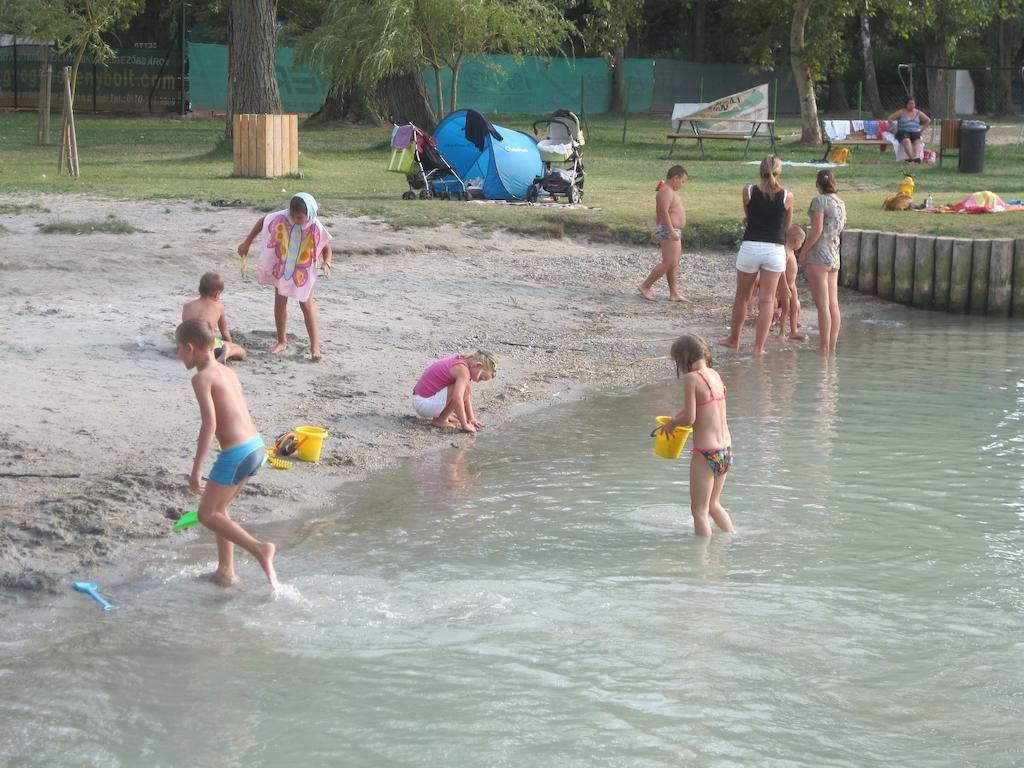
430, 407
754, 256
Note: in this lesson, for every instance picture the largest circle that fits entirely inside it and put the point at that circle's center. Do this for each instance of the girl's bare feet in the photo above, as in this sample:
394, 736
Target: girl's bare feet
316, 355
729, 343
646, 293
677, 297
281, 346
798, 336
224, 579
441, 423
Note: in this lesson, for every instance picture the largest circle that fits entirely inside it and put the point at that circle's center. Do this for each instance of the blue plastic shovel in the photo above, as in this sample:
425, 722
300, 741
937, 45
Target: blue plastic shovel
90, 589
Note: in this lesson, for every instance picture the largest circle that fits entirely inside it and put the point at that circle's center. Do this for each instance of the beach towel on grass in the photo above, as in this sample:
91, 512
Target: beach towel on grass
980, 202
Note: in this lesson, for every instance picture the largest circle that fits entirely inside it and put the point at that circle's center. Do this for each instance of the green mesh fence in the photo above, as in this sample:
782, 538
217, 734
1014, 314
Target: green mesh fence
538, 85
301, 89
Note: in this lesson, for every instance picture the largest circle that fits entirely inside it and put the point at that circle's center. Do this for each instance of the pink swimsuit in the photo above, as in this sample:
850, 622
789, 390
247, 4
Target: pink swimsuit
719, 459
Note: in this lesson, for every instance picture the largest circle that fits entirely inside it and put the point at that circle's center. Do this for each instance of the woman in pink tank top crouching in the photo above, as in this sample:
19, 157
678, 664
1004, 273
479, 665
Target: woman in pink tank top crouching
444, 393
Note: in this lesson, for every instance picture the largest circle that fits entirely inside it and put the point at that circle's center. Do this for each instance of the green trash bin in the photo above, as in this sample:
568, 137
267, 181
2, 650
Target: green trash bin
972, 146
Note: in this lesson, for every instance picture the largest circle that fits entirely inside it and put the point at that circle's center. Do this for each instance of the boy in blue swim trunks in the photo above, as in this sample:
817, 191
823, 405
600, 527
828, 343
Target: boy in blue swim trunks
225, 414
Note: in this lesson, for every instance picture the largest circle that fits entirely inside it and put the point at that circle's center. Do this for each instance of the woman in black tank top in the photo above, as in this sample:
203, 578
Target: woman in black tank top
769, 213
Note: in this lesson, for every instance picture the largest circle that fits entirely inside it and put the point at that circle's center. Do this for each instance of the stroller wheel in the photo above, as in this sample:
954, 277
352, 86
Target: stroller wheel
575, 194
463, 196
532, 193
409, 195
425, 195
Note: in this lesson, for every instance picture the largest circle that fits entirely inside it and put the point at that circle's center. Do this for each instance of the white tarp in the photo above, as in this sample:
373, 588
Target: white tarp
751, 104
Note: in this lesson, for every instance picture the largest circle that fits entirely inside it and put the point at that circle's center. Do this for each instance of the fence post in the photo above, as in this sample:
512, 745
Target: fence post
886, 264
45, 79
943, 267
867, 266
1000, 273
979, 277
849, 250
903, 270
924, 271
960, 276
15, 52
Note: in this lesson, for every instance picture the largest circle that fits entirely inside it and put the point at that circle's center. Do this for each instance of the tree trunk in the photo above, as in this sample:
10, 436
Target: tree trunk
1005, 50
933, 39
838, 101
336, 107
810, 130
454, 100
697, 42
870, 80
619, 82
403, 99
252, 52
440, 94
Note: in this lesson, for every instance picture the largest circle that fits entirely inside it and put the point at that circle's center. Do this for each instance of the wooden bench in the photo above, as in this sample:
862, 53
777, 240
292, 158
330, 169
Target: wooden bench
701, 134
855, 139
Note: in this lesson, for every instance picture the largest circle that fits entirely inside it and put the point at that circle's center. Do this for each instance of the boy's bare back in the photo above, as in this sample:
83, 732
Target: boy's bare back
203, 308
221, 398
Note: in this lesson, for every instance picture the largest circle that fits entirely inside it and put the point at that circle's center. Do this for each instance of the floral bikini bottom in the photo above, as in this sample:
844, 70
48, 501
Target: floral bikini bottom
719, 459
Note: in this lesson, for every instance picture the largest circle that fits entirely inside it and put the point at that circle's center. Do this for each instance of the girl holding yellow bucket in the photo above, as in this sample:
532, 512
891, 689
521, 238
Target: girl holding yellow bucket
704, 411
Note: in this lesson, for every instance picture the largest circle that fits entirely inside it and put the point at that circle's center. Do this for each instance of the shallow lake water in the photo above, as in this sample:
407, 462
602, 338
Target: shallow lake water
539, 599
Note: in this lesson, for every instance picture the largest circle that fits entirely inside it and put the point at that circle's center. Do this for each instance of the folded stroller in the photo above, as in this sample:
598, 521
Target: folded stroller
561, 150
414, 153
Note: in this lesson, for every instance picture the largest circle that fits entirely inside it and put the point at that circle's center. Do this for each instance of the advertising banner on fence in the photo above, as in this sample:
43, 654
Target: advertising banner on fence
751, 104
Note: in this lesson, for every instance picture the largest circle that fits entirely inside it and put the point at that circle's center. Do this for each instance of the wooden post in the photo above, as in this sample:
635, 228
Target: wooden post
849, 250
943, 264
885, 278
261, 144
236, 144
1017, 302
1000, 275
924, 271
293, 147
68, 136
960, 276
867, 264
978, 303
250, 145
903, 270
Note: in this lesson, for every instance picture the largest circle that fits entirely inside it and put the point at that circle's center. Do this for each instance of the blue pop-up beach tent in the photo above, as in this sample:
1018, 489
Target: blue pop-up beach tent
507, 165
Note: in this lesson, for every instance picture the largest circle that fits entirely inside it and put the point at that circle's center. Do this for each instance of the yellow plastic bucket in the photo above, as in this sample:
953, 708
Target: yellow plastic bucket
311, 440
669, 447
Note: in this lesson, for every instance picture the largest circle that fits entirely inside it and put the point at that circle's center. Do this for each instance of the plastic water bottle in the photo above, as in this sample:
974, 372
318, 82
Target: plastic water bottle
929, 203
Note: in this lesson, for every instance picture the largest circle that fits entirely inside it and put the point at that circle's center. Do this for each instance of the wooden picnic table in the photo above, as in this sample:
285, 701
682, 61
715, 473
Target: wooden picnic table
700, 134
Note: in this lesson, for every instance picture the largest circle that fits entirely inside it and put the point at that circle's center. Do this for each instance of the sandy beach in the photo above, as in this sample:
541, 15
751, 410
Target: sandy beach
101, 421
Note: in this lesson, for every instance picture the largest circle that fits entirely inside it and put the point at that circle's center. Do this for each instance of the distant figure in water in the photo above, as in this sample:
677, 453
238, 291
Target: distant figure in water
444, 393
225, 414
669, 222
704, 411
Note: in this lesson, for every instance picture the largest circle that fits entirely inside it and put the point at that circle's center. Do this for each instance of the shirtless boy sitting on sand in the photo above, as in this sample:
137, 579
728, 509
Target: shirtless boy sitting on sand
225, 414
208, 307
668, 231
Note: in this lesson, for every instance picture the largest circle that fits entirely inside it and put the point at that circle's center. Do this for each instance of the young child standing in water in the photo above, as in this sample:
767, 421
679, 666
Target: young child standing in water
704, 410
787, 297
225, 414
293, 241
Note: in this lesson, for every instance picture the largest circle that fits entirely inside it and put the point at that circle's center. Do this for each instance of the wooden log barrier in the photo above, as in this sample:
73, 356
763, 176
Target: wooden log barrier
1000, 278
924, 271
265, 146
1017, 302
978, 304
849, 257
943, 263
867, 264
903, 270
960, 276
886, 265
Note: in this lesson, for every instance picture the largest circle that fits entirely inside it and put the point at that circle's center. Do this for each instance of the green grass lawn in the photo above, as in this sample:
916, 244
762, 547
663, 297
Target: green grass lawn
155, 158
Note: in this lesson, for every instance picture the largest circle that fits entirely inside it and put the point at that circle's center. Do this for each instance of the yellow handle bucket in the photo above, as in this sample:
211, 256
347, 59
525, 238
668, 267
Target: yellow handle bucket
670, 446
311, 440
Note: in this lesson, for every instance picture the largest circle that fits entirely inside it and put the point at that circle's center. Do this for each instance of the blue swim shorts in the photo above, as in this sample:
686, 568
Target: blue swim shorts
239, 462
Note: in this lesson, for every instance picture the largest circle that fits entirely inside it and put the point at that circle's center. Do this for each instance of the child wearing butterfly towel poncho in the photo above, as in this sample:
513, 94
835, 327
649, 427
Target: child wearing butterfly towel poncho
293, 241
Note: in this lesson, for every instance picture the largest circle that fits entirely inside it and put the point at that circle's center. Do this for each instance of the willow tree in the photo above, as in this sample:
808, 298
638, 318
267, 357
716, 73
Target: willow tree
360, 43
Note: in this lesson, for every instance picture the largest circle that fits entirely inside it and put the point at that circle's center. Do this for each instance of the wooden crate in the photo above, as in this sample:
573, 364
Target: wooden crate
265, 146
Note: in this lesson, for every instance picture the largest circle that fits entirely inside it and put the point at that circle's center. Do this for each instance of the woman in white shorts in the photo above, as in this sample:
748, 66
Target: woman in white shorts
768, 210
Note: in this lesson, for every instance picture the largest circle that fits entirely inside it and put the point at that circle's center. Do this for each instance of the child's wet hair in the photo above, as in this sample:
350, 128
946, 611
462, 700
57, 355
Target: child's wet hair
198, 333
210, 283
795, 232
297, 206
687, 350
488, 361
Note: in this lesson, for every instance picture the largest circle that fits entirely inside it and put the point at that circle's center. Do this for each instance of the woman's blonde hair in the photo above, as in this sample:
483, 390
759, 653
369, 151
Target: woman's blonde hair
688, 349
770, 170
488, 361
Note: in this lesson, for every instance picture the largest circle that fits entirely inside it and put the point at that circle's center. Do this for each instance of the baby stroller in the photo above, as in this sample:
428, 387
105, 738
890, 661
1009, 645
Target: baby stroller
561, 150
414, 153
